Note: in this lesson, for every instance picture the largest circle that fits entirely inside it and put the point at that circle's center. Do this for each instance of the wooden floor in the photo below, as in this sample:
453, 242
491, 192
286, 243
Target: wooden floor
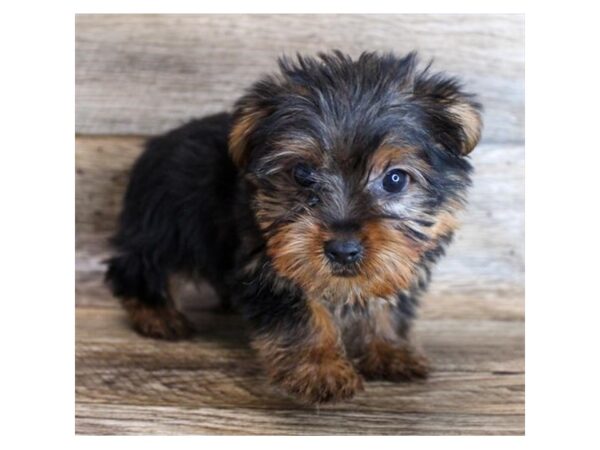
213, 384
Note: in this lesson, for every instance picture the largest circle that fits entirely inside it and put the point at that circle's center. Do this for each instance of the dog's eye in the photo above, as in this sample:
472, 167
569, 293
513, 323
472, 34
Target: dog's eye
304, 175
395, 181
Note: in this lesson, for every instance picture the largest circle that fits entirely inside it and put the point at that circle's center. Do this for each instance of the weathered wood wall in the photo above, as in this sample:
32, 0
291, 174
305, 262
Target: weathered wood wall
141, 75
145, 74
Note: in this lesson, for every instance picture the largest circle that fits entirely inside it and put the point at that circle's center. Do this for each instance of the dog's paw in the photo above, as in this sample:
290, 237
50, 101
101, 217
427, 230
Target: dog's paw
386, 362
159, 323
326, 381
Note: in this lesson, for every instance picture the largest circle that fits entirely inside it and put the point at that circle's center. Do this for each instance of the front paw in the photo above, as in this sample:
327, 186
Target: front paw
387, 362
321, 382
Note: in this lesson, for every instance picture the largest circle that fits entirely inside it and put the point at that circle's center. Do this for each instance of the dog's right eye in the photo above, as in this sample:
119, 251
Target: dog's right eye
304, 175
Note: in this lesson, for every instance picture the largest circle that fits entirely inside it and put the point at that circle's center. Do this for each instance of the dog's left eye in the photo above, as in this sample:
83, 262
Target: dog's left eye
304, 175
395, 181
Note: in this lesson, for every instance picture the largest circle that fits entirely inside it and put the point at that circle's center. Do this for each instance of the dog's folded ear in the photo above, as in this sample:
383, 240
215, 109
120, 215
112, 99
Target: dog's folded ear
253, 107
453, 115
246, 116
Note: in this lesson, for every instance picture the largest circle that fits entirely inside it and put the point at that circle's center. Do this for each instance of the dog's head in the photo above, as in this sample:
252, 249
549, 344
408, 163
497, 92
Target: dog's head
356, 168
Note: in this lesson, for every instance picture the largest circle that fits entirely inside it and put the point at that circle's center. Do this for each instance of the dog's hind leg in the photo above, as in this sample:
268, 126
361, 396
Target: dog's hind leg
143, 287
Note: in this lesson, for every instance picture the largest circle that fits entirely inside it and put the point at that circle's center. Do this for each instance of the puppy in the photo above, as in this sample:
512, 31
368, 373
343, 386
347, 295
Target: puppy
317, 208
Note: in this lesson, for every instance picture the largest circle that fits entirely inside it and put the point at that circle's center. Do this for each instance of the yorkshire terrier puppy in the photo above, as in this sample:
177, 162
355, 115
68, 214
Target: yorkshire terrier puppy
317, 209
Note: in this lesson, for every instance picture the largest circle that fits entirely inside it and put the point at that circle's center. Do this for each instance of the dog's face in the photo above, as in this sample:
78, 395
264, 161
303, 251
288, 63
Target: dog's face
356, 169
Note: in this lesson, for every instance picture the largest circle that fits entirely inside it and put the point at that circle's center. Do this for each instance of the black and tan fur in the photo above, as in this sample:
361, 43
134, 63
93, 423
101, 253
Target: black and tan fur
220, 198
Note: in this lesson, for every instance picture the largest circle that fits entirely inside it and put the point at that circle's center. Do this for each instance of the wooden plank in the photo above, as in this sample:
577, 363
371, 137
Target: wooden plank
99, 419
482, 275
213, 384
143, 74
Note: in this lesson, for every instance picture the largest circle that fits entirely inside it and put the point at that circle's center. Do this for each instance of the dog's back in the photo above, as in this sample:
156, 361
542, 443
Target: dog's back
177, 214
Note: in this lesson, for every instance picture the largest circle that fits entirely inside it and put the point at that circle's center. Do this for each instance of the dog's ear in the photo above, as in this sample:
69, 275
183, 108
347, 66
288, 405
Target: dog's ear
252, 108
453, 115
245, 119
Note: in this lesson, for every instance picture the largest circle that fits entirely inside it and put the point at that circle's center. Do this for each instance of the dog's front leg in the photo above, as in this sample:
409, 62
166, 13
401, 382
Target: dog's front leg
388, 352
300, 347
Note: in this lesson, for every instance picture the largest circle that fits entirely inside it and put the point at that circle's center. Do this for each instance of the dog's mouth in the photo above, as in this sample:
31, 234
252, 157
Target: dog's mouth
344, 270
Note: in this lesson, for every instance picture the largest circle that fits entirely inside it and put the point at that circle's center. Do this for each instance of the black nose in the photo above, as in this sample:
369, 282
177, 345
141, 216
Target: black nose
343, 251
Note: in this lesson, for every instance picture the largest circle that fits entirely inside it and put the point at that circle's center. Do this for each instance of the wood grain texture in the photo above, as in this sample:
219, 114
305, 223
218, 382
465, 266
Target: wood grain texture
481, 276
213, 384
135, 420
143, 74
